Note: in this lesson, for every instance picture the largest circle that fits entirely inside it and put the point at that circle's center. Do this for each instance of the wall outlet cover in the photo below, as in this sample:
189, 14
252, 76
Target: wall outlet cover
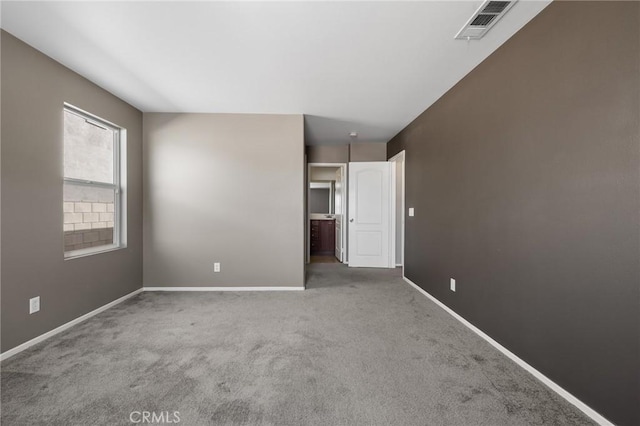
216, 267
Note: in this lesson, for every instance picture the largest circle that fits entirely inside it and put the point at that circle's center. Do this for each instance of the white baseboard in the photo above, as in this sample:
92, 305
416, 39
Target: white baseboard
538, 375
11, 352
222, 288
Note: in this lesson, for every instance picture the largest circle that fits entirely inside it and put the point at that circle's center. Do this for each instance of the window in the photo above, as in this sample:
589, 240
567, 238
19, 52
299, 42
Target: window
92, 196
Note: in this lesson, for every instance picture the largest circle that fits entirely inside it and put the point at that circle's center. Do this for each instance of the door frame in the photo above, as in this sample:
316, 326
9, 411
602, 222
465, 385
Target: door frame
398, 158
344, 170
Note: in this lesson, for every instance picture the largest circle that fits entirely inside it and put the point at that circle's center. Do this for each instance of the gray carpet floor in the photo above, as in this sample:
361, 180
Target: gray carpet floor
358, 347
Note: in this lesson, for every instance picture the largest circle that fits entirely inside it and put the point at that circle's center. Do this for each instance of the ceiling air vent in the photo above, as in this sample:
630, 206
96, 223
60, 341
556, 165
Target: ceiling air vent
485, 17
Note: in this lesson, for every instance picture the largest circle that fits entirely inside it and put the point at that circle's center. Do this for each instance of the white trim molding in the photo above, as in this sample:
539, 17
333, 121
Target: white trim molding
223, 288
538, 375
398, 158
11, 352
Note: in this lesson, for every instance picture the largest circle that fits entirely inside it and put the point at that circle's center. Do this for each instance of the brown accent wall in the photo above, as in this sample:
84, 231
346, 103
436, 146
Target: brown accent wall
525, 178
34, 89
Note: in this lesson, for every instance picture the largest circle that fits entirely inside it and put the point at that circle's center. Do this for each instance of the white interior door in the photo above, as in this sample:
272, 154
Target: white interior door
369, 214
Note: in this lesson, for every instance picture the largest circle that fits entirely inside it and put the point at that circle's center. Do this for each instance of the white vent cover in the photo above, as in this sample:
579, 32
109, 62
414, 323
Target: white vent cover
485, 17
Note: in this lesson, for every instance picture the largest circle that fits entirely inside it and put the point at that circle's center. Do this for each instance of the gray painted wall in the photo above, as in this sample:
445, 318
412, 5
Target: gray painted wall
34, 88
328, 153
355, 152
323, 174
525, 178
223, 188
362, 152
319, 200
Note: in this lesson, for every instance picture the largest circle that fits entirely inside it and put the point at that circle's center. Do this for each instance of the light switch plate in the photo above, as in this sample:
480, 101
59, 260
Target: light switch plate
411, 211
452, 284
34, 305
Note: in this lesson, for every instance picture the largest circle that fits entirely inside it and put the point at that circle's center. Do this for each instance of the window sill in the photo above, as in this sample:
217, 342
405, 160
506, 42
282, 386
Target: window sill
76, 254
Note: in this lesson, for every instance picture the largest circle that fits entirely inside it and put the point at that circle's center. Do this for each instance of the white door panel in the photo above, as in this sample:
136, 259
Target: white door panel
370, 188
369, 214
368, 243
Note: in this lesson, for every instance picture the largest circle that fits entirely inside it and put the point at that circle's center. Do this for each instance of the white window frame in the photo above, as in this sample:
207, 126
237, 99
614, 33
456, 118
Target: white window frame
118, 185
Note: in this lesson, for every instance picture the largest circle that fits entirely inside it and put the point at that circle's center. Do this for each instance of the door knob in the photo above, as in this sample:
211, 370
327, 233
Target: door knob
350, 220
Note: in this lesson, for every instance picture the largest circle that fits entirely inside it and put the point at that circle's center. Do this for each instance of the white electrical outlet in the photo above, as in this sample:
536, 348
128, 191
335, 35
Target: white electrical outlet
412, 212
216, 267
34, 305
452, 284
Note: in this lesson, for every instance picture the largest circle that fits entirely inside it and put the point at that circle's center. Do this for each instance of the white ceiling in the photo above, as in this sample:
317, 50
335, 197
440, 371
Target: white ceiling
369, 67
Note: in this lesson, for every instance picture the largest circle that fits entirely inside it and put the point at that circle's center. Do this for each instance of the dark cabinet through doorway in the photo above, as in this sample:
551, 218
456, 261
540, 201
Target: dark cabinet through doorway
323, 237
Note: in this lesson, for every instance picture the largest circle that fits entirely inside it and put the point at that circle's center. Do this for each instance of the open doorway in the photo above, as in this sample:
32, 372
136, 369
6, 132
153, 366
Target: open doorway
326, 207
398, 207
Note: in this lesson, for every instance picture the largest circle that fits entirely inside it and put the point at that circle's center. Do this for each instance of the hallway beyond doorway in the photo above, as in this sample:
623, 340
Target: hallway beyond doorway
323, 259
